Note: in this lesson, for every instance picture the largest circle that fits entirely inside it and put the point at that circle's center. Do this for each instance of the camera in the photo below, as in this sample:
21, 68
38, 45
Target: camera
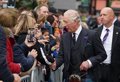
31, 35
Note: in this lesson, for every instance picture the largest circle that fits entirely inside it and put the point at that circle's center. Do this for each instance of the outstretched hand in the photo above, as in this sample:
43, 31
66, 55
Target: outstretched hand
53, 65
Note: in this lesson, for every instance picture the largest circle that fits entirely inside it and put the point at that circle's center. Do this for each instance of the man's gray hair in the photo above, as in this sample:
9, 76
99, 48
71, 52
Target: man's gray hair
72, 15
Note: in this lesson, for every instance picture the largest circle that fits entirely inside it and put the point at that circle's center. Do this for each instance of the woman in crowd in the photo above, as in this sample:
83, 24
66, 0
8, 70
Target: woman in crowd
5, 74
21, 63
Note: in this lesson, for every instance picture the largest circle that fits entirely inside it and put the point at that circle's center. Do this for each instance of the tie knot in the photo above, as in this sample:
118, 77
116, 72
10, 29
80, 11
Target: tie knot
73, 34
73, 38
107, 30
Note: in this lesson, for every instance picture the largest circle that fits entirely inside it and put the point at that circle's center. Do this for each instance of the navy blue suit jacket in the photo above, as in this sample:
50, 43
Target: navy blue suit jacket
88, 44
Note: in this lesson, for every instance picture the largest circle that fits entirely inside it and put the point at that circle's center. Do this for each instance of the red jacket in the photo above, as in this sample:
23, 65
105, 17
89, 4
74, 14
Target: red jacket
14, 67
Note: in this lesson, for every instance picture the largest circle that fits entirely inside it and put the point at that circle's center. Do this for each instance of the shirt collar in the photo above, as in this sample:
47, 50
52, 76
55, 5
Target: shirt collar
110, 28
78, 30
114, 20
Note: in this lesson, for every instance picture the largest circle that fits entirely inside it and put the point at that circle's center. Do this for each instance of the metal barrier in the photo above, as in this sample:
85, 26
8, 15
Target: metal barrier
25, 78
36, 75
56, 76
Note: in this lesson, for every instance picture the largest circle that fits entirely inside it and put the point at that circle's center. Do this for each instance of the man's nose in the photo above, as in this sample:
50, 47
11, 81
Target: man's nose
46, 14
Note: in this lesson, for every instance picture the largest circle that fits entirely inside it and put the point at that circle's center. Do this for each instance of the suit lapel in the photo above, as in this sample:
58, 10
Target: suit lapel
82, 40
99, 30
68, 41
115, 35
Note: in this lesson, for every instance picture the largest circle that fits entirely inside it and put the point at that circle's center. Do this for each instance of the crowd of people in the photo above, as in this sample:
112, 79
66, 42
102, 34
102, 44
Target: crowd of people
46, 38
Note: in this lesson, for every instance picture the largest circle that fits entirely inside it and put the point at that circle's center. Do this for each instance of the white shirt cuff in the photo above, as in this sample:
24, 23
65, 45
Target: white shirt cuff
90, 64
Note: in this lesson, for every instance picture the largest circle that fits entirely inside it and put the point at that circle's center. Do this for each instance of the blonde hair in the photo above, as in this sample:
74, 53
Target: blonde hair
84, 25
24, 22
7, 31
42, 18
8, 17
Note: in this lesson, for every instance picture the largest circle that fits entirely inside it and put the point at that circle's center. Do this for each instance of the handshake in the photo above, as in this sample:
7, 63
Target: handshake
53, 65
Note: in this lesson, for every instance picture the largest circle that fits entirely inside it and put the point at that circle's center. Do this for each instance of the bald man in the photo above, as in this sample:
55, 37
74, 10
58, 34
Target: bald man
110, 36
81, 50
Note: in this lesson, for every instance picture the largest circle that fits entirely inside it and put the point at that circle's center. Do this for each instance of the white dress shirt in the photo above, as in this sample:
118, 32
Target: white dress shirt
108, 43
77, 32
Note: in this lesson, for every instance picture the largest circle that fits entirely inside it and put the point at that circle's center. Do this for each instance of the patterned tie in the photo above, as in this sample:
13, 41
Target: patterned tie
105, 36
74, 38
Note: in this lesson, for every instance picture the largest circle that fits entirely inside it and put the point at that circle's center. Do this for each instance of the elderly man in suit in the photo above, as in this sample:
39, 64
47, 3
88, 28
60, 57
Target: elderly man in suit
110, 35
81, 50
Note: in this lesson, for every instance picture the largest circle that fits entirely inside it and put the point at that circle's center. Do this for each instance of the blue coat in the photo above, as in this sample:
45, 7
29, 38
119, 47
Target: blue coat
19, 57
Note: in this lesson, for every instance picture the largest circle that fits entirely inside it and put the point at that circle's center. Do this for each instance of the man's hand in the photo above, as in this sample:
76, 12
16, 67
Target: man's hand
43, 41
53, 65
17, 78
84, 66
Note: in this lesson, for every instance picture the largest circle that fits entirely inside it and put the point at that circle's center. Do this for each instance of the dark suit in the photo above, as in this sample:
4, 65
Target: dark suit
5, 74
115, 54
88, 46
117, 23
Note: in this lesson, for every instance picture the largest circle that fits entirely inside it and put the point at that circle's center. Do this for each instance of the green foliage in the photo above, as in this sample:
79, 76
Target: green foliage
26, 3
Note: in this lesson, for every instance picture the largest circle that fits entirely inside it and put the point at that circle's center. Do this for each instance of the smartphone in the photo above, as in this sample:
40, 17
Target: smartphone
30, 35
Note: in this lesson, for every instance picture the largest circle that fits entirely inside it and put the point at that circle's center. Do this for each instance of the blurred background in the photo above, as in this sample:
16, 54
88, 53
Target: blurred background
85, 6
